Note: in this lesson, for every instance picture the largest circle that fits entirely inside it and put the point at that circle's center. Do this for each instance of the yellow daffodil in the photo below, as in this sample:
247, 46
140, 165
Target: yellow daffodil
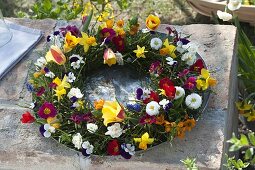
109, 57
162, 92
169, 48
70, 42
250, 115
61, 85
112, 112
204, 80
243, 106
87, 41
56, 55
152, 22
144, 141
140, 52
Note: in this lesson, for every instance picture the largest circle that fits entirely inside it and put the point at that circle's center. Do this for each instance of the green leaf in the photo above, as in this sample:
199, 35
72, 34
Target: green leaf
233, 140
252, 138
233, 148
47, 5
87, 22
248, 154
244, 140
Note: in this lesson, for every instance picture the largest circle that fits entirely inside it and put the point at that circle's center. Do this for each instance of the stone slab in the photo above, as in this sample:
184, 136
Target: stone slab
21, 147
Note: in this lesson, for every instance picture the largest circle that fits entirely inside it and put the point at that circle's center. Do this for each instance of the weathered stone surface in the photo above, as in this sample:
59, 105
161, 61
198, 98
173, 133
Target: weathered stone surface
21, 147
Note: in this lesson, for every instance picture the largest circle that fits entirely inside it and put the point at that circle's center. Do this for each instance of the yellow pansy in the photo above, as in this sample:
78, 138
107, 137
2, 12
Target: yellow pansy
109, 23
53, 121
112, 112
144, 141
169, 48
243, 106
56, 55
152, 22
204, 80
140, 52
70, 42
250, 115
87, 41
98, 104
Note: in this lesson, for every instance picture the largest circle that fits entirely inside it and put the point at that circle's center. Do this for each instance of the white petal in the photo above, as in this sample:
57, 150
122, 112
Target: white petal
47, 134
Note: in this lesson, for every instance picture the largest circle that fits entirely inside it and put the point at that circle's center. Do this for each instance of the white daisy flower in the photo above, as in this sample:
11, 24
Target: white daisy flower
70, 77
152, 108
114, 131
92, 128
234, 4
89, 148
119, 58
156, 43
193, 101
77, 140
41, 62
224, 15
164, 102
50, 74
170, 61
179, 92
75, 92
48, 130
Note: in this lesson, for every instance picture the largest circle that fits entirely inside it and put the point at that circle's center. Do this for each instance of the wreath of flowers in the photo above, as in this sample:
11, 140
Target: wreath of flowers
166, 108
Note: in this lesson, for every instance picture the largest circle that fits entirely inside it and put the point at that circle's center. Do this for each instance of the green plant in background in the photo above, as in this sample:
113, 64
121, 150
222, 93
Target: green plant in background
246, 144
190, 163
71, 9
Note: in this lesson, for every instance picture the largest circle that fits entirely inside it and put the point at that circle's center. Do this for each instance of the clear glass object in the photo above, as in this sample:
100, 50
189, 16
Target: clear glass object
5, 33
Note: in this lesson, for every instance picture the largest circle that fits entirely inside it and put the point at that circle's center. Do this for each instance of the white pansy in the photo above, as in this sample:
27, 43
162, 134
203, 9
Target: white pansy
234, 4
179, 47
75, 92
145, 30
170, 61
92, 128
128, 148
119, 58
156, 43
193, 101
189, 58
114, 131
48, 130
70, 77
164, 102
41, 62
77, 140
224, 15
179, 92
76, 105
32, 105
50, 74
152, 108
89, 148
76, 64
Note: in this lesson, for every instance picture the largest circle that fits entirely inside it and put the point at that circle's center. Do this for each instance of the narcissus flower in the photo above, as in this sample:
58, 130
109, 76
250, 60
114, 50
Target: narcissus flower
109, 57
112, 112
61, 85
87, 41
27, 118
140, 52
204, 80
144, 141
169, 49
193, 101
47, 110
55, 55
70, 42
152, 22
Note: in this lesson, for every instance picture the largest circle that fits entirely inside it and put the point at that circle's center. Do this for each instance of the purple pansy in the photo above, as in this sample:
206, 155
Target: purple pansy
147, 119
73, 29
47, 110
190, 83
46, 130
127, 150
139, 93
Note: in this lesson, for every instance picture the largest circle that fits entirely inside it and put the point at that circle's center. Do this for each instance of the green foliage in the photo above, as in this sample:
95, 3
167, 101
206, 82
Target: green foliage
190, 163
66, 9
247, 145
233, 164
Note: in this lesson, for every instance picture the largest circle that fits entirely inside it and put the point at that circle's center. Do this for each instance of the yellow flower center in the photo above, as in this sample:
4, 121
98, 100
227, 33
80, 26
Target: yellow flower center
193, 100
91, 40
46, 111
152, 107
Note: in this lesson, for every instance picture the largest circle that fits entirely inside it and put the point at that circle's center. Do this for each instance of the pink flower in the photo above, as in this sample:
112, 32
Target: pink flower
190, 83
108, 33
47, 110
183, 73
156, 68
147, 119
40, 91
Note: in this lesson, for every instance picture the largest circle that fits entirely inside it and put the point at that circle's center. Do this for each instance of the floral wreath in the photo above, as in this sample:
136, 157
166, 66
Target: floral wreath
166, 108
